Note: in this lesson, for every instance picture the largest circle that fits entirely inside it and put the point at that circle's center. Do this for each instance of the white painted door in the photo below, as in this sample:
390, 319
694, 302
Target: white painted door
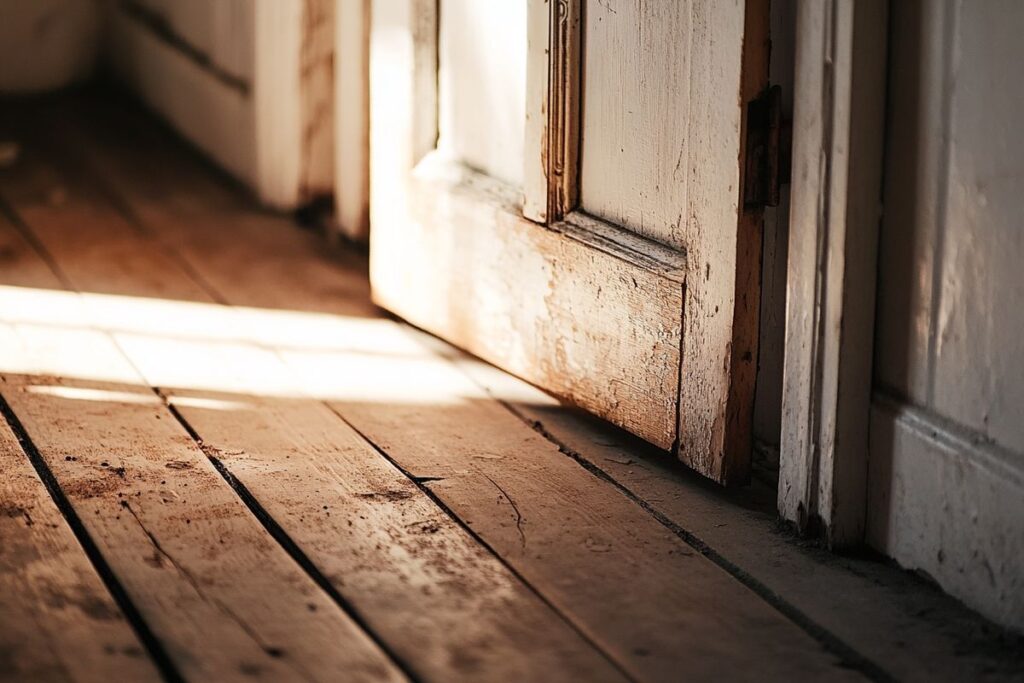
557, 187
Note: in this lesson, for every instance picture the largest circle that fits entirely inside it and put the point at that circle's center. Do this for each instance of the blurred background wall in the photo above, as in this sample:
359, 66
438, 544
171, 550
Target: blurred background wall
47, 44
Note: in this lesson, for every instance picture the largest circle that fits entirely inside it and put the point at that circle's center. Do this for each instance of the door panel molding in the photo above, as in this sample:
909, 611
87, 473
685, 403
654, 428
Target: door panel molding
553, 114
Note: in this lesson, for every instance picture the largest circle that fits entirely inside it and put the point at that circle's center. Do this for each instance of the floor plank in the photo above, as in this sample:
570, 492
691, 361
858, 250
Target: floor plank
59, 621
859, 601
62, 205
658, 606
216, 589
449, 608
211, 583
19, 262
180, 198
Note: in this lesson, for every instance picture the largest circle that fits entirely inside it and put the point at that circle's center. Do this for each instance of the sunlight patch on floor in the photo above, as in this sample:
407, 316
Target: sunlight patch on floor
183, 347
86, 394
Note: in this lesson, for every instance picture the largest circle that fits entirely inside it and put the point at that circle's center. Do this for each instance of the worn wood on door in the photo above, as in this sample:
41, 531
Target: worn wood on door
638, 299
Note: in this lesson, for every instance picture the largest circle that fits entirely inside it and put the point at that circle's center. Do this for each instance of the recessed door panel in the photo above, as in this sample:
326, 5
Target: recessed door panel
482, 79
636, 92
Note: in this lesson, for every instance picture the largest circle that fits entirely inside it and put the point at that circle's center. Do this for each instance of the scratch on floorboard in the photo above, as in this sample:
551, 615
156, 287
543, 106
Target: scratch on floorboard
153, 646
515, 508
285, 541
271, 651
476, 537
832, 643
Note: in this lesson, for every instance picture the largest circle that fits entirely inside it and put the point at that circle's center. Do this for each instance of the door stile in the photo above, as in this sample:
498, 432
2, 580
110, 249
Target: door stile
723, 262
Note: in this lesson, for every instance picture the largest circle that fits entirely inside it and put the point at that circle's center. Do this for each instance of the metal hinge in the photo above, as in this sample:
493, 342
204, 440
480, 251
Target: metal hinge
767, 154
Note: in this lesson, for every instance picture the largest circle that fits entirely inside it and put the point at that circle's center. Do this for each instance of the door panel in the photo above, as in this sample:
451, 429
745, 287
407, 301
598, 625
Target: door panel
634, 166
482, 81
638, 303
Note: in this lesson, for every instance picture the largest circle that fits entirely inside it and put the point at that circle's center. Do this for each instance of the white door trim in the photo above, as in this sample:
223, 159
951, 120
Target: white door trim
836, 208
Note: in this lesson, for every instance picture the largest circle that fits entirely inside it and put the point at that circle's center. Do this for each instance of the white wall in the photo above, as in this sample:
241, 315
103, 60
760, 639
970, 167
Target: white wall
164, 53
249, 82
946, 469
46, 44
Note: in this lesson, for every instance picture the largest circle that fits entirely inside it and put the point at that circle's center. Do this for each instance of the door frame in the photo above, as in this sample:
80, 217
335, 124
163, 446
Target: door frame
839, 124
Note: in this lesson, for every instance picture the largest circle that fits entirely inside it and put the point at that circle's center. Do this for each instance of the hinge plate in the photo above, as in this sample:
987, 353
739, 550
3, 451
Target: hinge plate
764, 153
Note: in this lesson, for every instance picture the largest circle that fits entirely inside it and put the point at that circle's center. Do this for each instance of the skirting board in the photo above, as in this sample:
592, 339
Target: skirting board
216, 117
950, 505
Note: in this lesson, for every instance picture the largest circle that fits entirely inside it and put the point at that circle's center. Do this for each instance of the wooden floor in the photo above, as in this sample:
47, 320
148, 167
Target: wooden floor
220, 462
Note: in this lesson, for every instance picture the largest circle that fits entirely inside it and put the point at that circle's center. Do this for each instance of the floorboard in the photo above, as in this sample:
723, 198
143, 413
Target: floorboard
404, 564
857, 603
216, 590
376, 540
221, 595
59, 621
611, 568
252, 472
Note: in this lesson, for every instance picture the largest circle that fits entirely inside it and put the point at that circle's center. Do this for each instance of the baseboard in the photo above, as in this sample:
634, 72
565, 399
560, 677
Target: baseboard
944, 501
214, 115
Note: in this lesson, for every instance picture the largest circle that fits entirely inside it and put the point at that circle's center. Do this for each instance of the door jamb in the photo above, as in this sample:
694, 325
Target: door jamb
838, 143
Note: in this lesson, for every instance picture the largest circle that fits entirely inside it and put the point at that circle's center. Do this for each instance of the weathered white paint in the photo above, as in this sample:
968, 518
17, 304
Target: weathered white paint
947, 457
637, 124
554, 71
482, 83
568, 309
536, 163
977, 345
463, 223
662, 122
587, 317
293, 100
277, 100
46, 44
839, 113
947, 504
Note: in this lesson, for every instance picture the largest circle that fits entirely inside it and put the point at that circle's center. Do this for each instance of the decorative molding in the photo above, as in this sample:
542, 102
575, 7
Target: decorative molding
563, 122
